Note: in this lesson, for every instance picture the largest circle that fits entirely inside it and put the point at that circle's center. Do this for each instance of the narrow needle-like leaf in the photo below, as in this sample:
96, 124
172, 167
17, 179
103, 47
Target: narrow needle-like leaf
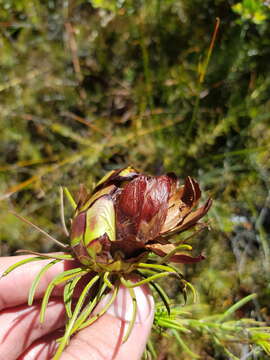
134, 314
151, 348
70, 198
130, 284
74, 317
157, 267
193, 290
39, 229
89, 308
106, 280
166, 258
22, 262
171, 324
236, 306
62, 211
163, 296
184, 346
60, 278
106, 307
165, 299
68, 293
37, 280
56, 256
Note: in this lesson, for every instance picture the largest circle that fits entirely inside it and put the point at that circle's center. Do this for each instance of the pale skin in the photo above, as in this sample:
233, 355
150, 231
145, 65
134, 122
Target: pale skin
22, 337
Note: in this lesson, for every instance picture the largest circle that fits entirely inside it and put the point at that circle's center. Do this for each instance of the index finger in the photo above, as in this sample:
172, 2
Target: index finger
15, 286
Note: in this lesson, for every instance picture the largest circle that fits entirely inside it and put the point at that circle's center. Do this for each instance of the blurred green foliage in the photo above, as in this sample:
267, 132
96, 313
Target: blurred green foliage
87, 86
225, 334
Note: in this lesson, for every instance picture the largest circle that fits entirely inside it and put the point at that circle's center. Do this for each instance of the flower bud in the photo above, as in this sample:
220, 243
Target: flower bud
129, 215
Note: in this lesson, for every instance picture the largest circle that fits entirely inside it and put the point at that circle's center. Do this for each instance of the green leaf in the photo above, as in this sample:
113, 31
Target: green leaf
106, 307
68, 292
60, 278
165, 299
20, 263
74, 317
184, 346
70, 198
105, 4
37, 280
134, 314
89, 308
236, 306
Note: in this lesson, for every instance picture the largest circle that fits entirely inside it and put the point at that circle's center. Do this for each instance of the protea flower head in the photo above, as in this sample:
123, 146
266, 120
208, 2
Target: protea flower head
114, 229
129, 214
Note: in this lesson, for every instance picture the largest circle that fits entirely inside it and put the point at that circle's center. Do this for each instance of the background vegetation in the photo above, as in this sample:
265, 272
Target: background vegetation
88, 86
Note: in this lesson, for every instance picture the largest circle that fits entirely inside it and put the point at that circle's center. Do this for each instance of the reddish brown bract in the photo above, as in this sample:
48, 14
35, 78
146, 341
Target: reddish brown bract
145, 211
141, 208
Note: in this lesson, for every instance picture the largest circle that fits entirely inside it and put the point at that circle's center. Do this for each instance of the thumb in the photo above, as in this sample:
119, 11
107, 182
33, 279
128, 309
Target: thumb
103, 339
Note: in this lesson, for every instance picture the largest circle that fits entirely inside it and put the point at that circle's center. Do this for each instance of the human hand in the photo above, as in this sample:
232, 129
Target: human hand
23, 337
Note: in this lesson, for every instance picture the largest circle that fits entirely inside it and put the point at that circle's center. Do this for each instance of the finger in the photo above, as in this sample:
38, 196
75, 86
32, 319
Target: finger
15, 286
43, 348
20, 326
103, 339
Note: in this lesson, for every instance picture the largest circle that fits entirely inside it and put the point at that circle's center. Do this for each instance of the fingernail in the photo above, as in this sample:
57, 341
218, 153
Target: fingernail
122, 308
